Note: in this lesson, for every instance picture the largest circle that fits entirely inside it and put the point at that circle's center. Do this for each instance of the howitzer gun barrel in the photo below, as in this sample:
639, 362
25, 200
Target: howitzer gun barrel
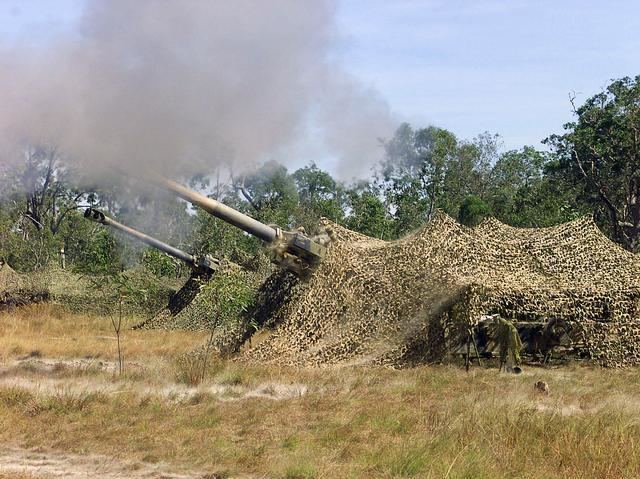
292, 250
208, 264
240, 220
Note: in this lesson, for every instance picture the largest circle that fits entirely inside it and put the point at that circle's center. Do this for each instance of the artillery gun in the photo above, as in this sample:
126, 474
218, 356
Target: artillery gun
292, 250
201, 264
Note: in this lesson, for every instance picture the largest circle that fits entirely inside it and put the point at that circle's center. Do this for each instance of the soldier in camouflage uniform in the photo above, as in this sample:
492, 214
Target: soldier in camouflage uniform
509, 344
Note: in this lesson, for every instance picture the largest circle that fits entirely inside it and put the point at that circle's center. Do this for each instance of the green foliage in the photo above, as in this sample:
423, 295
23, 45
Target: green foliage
524, 190
28, 253
594, 167
44, 185
159, 263
473, 210
319, 196
98, 253
271, 192
220, 239
227, 295
600, 153
512, 178
467, 171
368, 214
122, 288
431, 169
411, 174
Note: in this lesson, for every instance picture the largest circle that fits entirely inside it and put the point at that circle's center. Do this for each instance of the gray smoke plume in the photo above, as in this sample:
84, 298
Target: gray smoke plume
183, 86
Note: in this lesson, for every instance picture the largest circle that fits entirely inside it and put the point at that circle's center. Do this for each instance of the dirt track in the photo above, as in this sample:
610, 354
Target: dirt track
45, 376
39, 375
51, 464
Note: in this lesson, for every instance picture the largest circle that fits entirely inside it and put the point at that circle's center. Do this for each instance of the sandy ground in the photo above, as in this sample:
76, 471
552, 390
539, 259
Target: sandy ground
39, 375
42, 376
52, 464
47, 376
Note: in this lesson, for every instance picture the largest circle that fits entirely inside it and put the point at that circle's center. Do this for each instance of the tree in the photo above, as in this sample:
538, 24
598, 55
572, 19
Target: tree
430, 168
514, 171
473, 210
524, 189
411, 175
89, 247
118, 289
211, 235
220, 239
319, 196
271, 192
367, 212
159, 263
600, 152
42, 184
467, 171
38, 197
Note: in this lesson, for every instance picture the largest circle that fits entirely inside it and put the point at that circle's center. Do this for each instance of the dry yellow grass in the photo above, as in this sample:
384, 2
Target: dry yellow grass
434, 422
50, 331
19, 475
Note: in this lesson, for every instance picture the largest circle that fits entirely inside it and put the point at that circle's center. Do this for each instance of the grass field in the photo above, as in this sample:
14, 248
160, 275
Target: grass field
62, 401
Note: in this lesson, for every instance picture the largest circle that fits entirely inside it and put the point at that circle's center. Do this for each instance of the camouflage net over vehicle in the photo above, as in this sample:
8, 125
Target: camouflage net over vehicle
412, 300
167, 317
18, 290
192, 308
79, 293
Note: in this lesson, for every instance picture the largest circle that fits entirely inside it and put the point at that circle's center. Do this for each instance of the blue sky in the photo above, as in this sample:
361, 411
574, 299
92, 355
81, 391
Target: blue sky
470, 66
37, 20
502, 66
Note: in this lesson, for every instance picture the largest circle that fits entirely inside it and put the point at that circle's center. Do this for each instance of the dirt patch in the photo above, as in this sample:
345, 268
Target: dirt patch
49, 366
272, 390
52, 464
560, 409
48, 376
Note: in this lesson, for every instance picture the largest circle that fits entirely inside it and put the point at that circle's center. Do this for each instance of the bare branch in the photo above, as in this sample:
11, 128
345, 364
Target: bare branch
240, 186
37, 224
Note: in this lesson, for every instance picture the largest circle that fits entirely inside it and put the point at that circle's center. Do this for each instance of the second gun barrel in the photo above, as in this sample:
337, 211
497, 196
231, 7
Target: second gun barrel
219, 210
170, 250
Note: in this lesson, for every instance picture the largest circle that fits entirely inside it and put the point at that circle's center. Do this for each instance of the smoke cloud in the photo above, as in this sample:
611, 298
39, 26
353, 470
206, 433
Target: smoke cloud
183, 86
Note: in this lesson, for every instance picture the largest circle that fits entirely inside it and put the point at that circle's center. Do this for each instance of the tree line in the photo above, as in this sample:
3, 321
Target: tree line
592, 167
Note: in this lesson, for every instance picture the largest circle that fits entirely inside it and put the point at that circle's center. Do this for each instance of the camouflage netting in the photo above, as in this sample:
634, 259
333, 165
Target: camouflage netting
411, 300
79, 293
167, 317
18, 290
192, 308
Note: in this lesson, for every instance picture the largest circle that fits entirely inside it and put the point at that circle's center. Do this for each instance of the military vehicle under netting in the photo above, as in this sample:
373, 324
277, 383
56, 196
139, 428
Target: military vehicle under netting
414, 300
19, 290
567, 288
291, 251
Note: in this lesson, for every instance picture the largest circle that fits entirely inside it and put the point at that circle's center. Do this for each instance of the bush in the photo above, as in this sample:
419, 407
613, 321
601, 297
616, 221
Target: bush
473, 210
159, 263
